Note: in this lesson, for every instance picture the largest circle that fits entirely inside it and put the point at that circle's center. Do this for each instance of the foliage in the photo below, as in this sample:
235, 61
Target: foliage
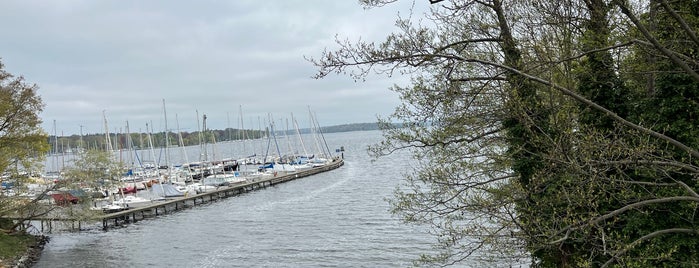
22, 141
93, 170
670, 106
22, 145
562, 132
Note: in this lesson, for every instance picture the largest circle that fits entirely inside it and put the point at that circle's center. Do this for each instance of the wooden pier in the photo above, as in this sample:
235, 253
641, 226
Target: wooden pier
167, 206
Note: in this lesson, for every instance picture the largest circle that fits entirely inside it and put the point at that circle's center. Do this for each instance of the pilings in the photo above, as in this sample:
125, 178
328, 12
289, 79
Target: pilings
180, 203
47, 224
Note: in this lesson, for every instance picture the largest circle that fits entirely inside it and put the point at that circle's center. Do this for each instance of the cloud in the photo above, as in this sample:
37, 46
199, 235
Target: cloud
124, 58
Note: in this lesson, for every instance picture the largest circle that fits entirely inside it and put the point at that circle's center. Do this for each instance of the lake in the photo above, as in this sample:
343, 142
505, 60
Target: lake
338, 218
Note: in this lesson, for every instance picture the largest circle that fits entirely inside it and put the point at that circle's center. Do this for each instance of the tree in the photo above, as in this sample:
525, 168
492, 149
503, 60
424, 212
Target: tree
93, 172
23, 144
535, 146
94, 169
668, 104
22, 141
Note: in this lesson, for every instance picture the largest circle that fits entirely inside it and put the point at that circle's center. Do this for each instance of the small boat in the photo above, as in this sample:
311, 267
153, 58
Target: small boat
132, 201
111, 208
165, 190
201, 188
222, 179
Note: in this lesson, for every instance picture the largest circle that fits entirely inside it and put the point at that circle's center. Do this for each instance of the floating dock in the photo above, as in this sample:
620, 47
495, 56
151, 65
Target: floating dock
179, 203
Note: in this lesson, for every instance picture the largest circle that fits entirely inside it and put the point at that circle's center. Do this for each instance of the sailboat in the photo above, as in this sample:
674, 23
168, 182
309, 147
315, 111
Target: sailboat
222, 173
301, 162
317, 134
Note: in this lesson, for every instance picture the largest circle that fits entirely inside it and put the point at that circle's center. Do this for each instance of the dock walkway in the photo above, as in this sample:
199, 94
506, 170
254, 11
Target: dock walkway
179, 203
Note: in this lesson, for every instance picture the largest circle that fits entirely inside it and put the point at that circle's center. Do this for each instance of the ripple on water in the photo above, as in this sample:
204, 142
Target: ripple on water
334, 219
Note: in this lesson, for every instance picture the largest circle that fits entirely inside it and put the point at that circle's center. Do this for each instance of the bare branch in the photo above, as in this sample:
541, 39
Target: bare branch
682, 22
625, 9
647, 237
676, 164
629, 207
584, 100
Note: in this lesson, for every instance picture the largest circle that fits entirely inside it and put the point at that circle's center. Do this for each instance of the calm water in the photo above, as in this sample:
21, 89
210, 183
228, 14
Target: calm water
334, 219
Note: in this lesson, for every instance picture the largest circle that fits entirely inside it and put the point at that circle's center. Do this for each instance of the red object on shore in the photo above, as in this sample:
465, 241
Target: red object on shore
64, 199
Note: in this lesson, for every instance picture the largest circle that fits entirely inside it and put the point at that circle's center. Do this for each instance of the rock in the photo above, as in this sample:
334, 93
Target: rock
31, 256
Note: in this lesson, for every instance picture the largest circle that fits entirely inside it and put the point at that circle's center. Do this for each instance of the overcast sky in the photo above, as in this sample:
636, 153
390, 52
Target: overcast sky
125, 57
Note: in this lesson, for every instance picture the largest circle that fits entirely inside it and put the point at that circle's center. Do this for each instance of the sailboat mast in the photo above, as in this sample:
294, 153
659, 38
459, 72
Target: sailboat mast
179, 135
107, 140
242, 127
298, 132
203, 127
167, 141
230, 136
129, 145
272, 130
55, 148
152, 151
320, 130
288, 140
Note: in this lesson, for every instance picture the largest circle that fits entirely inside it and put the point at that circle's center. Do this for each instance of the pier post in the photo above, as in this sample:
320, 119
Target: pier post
223, 192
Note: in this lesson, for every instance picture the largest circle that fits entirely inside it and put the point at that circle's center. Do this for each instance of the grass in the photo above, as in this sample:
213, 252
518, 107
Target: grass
13, 246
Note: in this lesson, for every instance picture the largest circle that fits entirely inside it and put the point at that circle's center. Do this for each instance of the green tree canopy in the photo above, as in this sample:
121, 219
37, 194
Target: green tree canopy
93, 170
560, 133
22, 141
23, 144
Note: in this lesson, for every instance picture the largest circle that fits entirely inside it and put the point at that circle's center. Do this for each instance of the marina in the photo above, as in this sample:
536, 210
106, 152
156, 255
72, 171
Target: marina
123, 216
338, 218
146, 185
176, 204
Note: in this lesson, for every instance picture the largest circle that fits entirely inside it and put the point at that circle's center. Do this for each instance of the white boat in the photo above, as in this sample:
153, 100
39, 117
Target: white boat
110, 208
200, 188
222, 179
132, 201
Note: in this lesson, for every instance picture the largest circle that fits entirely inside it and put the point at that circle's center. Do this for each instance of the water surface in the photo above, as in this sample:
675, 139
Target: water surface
338, 218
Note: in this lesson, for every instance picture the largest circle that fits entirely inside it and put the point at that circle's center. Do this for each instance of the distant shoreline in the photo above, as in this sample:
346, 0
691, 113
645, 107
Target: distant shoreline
328, 129
63, 144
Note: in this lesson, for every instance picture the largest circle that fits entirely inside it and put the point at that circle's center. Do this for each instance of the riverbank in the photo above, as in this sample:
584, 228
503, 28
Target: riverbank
20, 250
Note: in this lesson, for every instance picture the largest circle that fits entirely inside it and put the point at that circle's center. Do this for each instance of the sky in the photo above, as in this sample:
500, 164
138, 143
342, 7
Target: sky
132, 61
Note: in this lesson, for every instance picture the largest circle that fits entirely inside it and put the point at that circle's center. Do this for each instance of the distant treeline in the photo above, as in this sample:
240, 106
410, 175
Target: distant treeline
348, 127
62, 144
